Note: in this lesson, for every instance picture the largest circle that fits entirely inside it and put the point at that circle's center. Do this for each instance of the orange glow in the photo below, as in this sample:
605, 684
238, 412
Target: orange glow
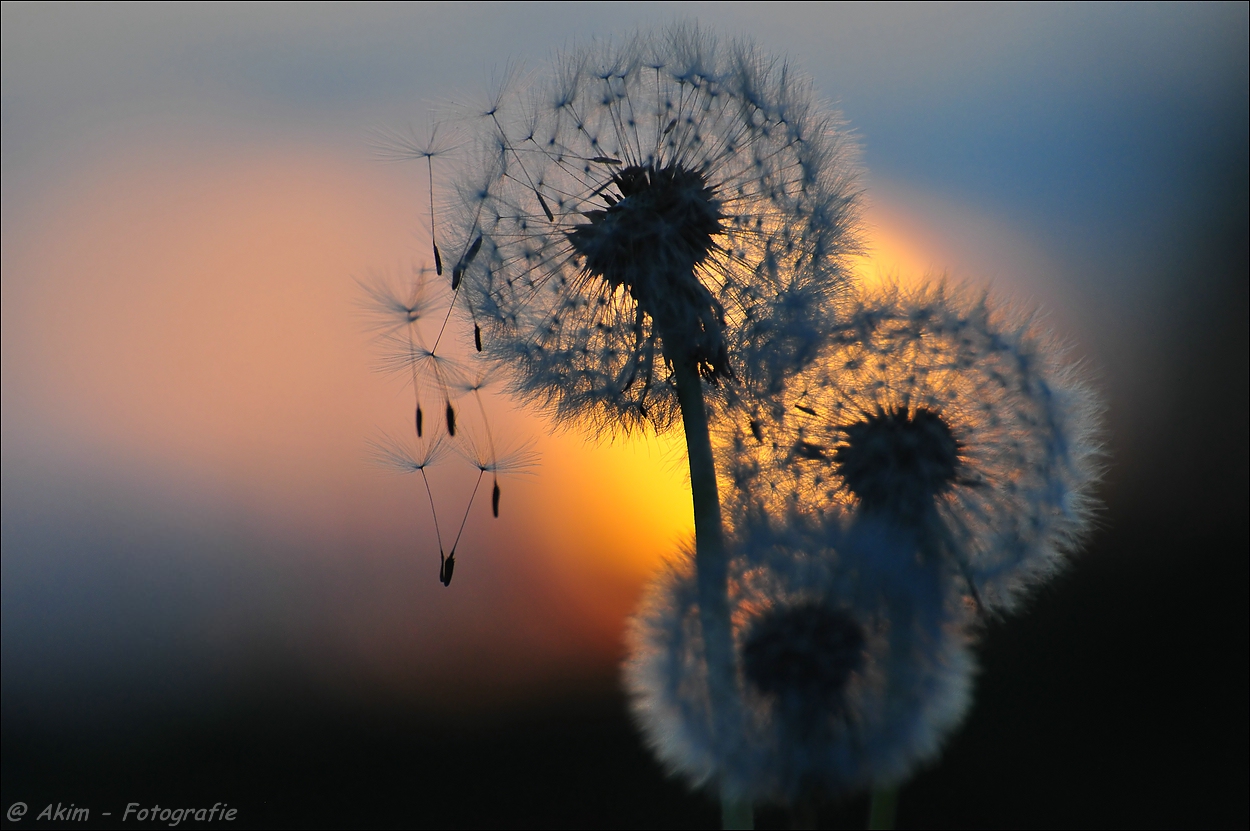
198, 318
195, 316
897, 250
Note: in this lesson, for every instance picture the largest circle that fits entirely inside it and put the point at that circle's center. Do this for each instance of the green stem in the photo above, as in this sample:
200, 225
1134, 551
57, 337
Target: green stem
884, 806
712, 570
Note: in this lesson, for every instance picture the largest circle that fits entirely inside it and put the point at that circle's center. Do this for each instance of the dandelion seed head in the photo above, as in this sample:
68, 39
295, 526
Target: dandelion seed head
668, 197
850, 675
897, 462
803, 653
938, 411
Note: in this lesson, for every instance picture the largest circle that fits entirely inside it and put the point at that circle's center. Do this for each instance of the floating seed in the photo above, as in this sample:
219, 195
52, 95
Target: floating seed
757, 431
805, 409
419, 420
446, 566
438, 261
477, 337
451, 420
494, 500
670, 127
605, 160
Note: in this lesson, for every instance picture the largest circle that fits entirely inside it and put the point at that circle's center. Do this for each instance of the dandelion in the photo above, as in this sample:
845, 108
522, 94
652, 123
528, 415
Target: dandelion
665, 218
659, 229
665, 203
940, 414
851, 672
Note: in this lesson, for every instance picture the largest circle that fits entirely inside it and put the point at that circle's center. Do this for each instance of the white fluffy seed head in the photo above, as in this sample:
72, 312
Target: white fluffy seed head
849, 674
661, 197
936, 411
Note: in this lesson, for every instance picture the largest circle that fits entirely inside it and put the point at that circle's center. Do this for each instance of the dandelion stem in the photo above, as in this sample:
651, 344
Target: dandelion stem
884, 805
736, 814
712, 566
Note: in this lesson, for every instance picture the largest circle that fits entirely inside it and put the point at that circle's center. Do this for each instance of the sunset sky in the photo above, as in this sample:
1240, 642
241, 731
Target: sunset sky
190, 193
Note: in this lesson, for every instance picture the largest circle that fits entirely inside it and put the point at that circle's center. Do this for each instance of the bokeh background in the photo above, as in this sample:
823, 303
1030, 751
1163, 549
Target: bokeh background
210, 594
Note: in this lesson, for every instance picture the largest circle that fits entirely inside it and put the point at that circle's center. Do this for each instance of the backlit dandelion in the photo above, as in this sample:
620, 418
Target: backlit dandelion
666, 201
851, 671
658, 230
938, 413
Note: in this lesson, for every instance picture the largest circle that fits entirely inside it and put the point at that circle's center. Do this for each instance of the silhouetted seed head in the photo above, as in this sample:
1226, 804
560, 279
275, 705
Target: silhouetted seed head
853, 670
898, 462
656, 229
938, 412
802, 654
669, 198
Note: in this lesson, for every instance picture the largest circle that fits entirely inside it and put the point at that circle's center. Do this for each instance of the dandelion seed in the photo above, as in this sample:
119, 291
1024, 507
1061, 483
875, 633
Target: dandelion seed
483, 456
403, 457
405, 146
457, 274
446, 566
757, 430
937, 412
546, 208
852, 672
395, 312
